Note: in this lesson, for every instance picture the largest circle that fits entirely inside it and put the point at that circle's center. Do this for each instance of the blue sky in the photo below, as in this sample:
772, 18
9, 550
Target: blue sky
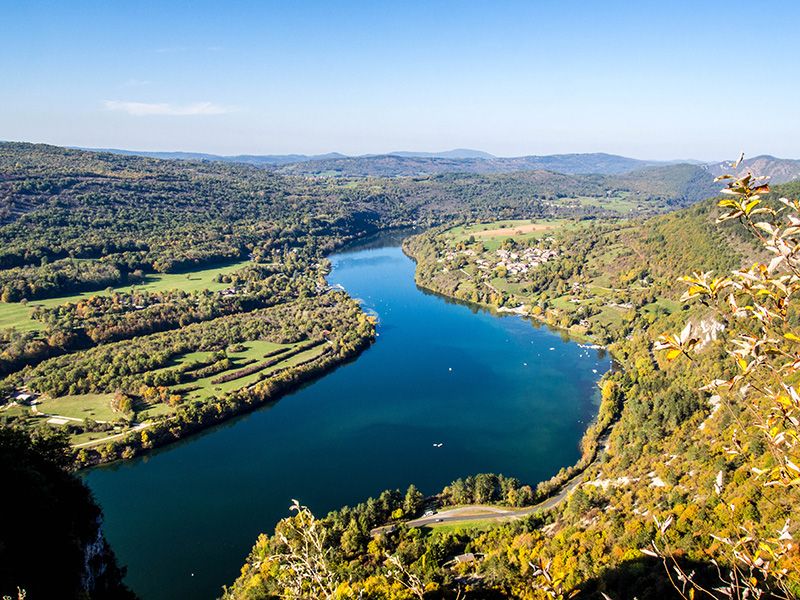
646, 79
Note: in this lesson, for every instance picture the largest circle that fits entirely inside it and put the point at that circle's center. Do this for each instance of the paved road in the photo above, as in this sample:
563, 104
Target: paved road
482, 512
108, 438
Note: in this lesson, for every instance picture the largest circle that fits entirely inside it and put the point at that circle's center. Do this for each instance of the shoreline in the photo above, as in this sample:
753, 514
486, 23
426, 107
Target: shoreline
169, 430
595, 430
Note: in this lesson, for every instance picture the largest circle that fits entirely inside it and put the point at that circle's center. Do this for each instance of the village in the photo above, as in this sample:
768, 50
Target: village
517, 261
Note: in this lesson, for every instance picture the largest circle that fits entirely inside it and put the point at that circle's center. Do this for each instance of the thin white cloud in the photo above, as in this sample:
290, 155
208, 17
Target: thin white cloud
167, 49
148, 109
135, 82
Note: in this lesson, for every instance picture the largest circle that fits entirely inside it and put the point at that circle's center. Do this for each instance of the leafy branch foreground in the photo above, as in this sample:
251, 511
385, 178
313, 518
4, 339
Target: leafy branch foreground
758, 306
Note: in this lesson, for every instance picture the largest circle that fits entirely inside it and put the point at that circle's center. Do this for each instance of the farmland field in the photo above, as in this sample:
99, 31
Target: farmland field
493, 233
98, 407
18, 315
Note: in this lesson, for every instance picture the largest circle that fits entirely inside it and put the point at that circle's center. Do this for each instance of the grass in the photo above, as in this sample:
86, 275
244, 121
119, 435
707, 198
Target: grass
80, 438
492, 233
98, 406
297, 358
254, 352
83, 406
563, 303
257, 349
14, 410
619, 203
156, 410
662, 305
612, 315
183, 359
456, 526
17, 315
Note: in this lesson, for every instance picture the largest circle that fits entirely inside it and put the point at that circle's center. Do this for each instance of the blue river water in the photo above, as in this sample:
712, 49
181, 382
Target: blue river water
499, 393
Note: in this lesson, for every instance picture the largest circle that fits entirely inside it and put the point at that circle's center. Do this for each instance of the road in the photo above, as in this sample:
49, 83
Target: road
108, 438
482, 512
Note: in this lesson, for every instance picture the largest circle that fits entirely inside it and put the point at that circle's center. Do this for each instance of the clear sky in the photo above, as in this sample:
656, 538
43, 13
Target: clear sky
668, 79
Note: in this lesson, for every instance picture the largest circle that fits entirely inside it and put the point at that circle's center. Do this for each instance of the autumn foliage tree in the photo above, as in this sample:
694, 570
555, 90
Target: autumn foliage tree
758, 306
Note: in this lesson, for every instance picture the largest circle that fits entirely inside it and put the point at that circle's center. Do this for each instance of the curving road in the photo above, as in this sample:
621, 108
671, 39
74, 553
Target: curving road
483, 512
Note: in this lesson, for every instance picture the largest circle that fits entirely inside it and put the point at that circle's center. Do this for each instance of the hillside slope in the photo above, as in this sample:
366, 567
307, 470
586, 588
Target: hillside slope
779, 170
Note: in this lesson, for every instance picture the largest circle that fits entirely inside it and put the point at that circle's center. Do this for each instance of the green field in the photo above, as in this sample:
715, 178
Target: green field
619, 203
14, 314
662, 305
98, 406
614, 315
17, 315
83, 406
563, 303
94, 406
254, 353
494, 233
456, 526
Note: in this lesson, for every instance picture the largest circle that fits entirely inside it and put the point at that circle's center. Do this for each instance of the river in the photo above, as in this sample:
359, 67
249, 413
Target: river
498, 393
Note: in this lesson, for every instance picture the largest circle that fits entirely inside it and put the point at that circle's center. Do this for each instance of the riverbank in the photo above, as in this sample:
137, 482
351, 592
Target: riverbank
548, 319
126, 398
610, 401
173, 429
486, 513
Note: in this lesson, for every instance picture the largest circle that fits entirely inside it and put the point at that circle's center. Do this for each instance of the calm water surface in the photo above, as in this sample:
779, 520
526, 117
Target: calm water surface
500, 394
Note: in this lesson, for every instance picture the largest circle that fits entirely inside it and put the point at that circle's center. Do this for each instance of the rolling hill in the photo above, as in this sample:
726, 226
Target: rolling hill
779, 170
414, 164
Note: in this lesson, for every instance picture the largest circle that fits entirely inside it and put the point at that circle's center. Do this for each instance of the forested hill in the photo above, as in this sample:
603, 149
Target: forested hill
409, 164
779, 170
74, 221
65, 182
697, 175
265, 160
414, 163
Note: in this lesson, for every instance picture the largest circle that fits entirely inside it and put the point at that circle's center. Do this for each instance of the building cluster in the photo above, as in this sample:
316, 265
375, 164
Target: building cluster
515, 262
521, 261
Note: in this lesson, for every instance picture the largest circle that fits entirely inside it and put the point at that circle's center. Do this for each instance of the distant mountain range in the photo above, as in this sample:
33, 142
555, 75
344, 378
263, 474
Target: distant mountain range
462, 160
411, 164
457, 153
779, 170
405, 163
251, 159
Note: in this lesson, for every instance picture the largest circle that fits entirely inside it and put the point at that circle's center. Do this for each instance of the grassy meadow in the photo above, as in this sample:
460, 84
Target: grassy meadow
18, 314
98, 407
494, 233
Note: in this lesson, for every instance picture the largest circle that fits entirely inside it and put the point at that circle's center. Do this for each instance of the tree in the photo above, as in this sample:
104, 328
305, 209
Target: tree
354, 540
486, 486
305, 566
578, 502
413, 500
34, 467
121, 403
758, 306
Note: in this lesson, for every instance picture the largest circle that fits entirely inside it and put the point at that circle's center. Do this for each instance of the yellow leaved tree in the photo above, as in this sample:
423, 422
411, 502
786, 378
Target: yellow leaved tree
758, 306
